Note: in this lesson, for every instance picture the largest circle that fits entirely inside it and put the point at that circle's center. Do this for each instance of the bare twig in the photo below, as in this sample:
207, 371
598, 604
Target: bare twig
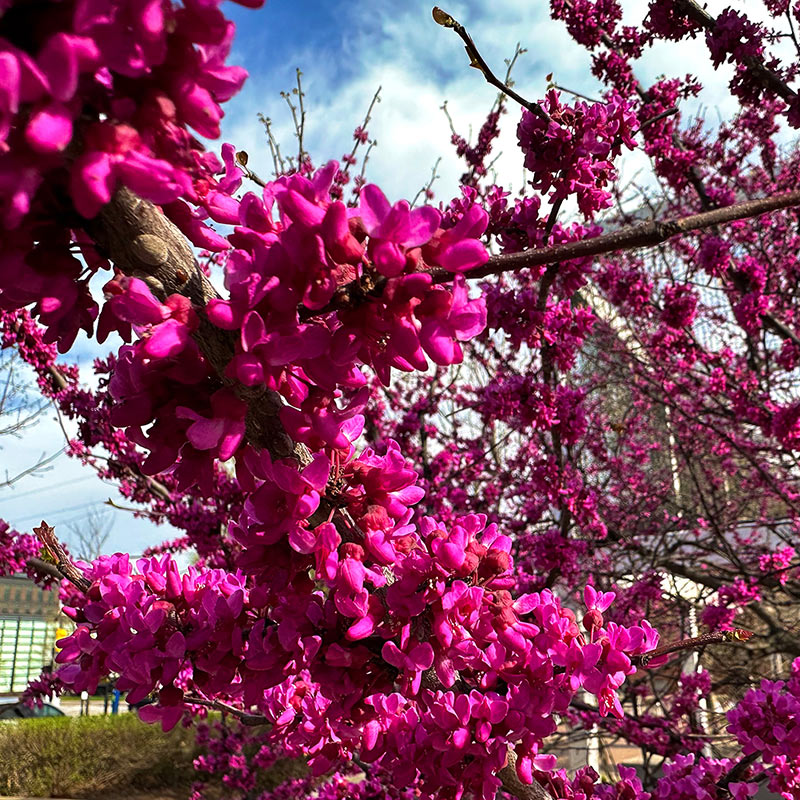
243, 716
425, 189
575, 94
64, 565
476, 60
666, 113
736, 635
242, 159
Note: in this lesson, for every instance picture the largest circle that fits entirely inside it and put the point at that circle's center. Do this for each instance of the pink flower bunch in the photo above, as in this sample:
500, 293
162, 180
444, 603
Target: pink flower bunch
104, 97
15, 549
586, 784
734, 38
152, 626
588, 20
561, 325
318, 250
689, 776
151, 74
233, 754
680, 305
767, 720
42, 689
572, 152
779, 562
149, 625
216, 497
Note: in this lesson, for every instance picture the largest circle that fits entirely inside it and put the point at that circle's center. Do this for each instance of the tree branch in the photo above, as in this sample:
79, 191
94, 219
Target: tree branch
736, 635
44, 568
243, 716
766, 76
476, 60
646, 234
143, 243
515, 787
737, 772
64, 565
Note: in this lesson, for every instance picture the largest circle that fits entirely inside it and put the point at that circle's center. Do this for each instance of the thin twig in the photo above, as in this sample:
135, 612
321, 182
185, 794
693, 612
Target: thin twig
667, 113
576, 94
476, 60
738, 770
244, 717
47, 536
425, 189
376, 98
241, 160
736, 635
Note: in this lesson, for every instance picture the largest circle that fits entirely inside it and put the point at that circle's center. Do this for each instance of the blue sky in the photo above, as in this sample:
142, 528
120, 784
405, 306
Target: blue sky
345, 50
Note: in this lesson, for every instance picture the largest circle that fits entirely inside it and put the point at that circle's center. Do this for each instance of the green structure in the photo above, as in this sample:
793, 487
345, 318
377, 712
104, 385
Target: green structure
29, 618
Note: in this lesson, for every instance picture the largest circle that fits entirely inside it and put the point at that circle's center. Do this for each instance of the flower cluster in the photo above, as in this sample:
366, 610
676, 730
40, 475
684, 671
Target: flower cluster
571, 152
318, 256
767, 721
104, 97
171, 635
15, 549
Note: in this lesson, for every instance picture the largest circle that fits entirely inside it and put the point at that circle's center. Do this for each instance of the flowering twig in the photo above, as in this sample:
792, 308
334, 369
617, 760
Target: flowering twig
424, 190
646, 234
351, 159
765, 75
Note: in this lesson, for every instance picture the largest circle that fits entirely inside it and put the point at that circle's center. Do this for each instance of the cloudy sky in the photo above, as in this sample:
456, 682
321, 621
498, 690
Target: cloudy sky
346, 50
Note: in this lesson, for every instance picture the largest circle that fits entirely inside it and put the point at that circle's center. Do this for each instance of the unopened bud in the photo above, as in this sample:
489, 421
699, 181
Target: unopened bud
442, 18
592, 620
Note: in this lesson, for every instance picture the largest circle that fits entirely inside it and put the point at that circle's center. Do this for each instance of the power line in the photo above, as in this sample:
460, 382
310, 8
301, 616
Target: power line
57, 512
14, 496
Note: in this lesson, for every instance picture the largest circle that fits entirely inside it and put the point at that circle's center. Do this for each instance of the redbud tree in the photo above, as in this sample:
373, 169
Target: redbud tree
459, 477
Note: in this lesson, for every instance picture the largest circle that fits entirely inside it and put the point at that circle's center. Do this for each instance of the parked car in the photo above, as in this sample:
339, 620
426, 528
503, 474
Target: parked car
21, 711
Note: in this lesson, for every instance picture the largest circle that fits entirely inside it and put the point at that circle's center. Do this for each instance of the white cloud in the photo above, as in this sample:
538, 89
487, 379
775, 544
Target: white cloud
420, 65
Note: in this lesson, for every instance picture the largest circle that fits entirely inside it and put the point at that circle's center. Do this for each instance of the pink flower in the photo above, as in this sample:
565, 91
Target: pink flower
394, 229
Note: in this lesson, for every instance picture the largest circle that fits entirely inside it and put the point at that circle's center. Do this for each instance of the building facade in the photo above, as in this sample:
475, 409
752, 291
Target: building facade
29, 619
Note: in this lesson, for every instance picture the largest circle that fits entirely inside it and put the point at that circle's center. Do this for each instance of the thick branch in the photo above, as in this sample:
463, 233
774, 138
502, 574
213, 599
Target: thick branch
515, 787
44, 568
143, 243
